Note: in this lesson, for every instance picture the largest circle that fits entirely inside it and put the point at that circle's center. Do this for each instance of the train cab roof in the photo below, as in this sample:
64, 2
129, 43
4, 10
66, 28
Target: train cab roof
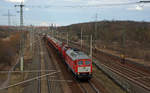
76, 54
56, 41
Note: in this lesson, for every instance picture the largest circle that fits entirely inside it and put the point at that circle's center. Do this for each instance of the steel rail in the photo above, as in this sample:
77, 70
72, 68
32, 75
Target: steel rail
47, 78
39, 66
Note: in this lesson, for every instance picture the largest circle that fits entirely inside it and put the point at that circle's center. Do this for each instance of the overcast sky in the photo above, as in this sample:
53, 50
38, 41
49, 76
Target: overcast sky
45, 12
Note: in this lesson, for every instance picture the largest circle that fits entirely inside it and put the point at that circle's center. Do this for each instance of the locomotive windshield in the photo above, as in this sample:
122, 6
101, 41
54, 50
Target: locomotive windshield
80, 63
87, 63
84, 63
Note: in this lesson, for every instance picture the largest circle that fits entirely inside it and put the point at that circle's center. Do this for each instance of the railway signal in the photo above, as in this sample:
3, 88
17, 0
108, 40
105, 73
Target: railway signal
21, 13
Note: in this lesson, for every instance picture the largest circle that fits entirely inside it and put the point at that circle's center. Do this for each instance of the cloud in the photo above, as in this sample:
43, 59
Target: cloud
136, 7
146, 5
96, 2
139, 8
48, 24
27, 9
15, 1
73, 0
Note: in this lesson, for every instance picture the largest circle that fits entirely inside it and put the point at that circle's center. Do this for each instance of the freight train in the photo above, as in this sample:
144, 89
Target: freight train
77, 61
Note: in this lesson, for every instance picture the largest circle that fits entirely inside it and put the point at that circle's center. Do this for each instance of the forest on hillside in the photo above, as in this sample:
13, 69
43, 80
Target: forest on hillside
130, 37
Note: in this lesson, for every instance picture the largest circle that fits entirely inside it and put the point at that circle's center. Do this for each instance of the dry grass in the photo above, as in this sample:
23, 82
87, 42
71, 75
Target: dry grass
15, 78
9, 47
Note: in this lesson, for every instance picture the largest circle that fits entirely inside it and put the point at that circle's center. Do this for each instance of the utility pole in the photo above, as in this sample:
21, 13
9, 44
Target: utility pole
67, 38
91, 46
31, 37
23, 35
9, 21
9, 17
81, 37
95, 27
96, 16
124, 41
52, 30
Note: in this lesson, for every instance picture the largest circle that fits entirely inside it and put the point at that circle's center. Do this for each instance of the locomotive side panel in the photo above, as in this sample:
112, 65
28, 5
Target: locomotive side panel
78, 62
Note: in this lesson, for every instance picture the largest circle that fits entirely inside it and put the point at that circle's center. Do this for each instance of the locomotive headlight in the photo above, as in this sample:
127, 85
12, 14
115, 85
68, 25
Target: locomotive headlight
78, 73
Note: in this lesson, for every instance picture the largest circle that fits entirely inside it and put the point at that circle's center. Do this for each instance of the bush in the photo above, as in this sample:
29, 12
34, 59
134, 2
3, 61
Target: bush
9, 48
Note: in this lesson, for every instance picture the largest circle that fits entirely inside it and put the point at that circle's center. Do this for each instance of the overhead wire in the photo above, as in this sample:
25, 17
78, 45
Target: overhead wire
85, 6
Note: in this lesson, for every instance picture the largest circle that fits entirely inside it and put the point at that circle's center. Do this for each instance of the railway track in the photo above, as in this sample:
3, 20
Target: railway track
88, 87
125, 68
52, 85
49, 90
39, 83
47, 78
132, 73
75, 86
39, 67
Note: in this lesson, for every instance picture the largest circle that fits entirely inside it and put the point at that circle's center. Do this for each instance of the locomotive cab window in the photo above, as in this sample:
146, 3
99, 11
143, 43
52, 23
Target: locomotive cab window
87, 62
65, 48
80, 63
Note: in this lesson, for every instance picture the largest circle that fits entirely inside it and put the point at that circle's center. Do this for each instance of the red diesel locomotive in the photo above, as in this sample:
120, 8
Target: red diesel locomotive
77, 61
